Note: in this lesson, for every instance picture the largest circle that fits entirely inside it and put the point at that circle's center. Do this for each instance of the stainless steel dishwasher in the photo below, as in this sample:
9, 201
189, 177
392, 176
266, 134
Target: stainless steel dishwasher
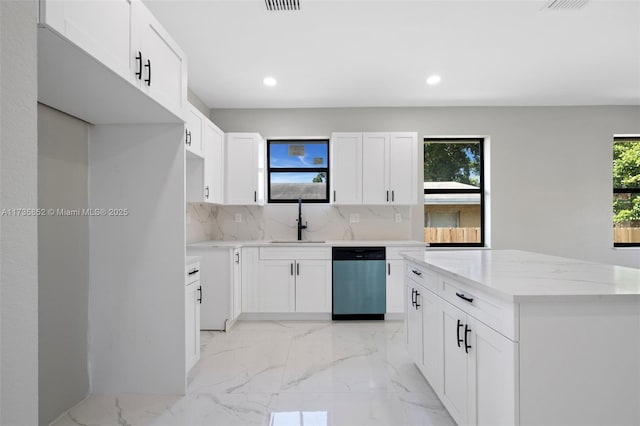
359, 283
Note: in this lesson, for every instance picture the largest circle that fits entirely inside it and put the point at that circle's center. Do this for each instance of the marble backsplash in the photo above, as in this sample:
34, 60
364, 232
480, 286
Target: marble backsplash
278, 222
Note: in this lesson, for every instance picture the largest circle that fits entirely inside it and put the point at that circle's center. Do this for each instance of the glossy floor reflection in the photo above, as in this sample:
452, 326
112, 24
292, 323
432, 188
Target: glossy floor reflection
286, 374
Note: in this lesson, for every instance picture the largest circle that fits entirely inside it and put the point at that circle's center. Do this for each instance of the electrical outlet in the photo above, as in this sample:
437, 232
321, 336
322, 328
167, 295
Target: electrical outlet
354, 218
238, 218
398, 217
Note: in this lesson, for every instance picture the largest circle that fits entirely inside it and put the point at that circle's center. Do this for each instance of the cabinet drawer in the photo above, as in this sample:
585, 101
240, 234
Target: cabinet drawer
422, 276
495, 313
192, 273
295, 252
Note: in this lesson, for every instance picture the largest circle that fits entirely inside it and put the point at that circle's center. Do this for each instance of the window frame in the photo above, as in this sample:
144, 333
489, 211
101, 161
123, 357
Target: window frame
623, 190
326, 199
481, 141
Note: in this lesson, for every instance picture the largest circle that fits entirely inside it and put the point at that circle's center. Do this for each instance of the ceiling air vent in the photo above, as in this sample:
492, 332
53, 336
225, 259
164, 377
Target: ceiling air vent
565, 4
285, 5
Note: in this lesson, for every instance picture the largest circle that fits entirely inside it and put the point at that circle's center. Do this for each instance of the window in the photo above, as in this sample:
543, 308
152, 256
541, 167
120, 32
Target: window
626, 192
298, 169
454, 192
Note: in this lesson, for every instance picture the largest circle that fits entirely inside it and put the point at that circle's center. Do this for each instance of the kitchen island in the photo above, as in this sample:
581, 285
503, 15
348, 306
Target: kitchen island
518, 338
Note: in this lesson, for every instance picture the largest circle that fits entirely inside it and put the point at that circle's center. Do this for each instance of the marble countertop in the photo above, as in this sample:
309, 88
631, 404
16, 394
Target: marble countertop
328, 243
519, 276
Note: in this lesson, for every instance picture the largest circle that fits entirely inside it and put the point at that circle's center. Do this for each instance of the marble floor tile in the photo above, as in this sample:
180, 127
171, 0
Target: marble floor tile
286, 373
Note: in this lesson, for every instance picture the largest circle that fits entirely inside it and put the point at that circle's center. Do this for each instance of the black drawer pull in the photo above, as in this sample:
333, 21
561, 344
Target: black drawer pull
417, 304
463, 297
458, 333
418, 273
148, 67
200, 290
139, 60
195, 271
466, 332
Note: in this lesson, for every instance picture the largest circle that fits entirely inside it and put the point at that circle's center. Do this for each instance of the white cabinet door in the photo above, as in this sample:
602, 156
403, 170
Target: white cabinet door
313, 286
101, 28
213, 163
346, 168
193, 131
237, 284
402, 178
432, 338
162, 69
192, 324
395, 286
454, 389
414, 323
375, 188
492, 377
277, 286
245, 163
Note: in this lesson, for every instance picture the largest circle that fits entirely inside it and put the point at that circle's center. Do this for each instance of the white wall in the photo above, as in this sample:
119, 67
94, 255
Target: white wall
551, 185
18, 235
63, 263
137, 269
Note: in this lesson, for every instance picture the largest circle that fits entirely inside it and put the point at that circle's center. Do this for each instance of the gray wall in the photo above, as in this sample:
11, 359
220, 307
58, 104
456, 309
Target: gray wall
63, 263
550, 184
18, 234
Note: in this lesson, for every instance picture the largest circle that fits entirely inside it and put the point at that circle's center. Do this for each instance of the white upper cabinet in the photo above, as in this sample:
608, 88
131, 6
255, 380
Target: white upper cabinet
193, 131
374, 168
213, 146
401, 166
160, 66
114, 52
389, 168
244, 169
204, 143
101, 28
346, 168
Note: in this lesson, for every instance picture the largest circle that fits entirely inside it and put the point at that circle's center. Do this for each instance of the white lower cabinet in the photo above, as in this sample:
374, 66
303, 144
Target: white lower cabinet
192, 301
395, 278
295, 286
291, 279
471, 367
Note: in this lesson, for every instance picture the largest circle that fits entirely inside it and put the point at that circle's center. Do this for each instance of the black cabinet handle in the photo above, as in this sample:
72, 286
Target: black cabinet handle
292, 269
206, 194
466, 332
418, 273
393, 196
297, 269
187, 137
195, 271
463, 297
458, 332
387, 196
139, 60
148, 66
389, 269
200, 298
417, 304
237, 257
255, 196
334, 196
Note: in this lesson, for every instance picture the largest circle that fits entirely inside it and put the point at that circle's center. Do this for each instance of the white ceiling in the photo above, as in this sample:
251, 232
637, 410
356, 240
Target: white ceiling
379, 53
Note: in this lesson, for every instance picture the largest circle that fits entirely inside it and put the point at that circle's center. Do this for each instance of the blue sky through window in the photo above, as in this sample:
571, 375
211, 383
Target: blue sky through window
315, 155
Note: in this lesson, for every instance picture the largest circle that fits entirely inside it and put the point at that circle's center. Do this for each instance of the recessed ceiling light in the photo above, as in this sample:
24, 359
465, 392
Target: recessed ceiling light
432, 80
270, 81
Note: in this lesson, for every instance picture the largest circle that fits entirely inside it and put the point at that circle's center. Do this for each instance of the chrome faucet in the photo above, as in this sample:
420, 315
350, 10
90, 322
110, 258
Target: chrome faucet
300, 225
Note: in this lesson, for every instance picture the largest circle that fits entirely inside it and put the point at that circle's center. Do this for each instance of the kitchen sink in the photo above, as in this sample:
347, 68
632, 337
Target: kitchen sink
297, 242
